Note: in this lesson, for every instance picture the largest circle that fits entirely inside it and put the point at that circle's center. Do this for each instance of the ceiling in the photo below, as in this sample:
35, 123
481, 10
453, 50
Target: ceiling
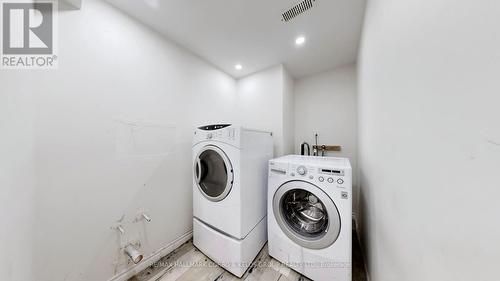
252, 33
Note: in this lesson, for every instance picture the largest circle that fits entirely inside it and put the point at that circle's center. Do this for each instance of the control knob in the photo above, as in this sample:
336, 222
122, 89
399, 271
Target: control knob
301, 170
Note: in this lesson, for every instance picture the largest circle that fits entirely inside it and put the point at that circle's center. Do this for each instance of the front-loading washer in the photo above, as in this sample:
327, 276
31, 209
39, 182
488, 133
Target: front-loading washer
309, 215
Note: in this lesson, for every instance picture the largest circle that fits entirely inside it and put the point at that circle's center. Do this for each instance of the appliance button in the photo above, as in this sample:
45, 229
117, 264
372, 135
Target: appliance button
321, 179
330, 180
301, 170
292, 174
209, 136
311, 177
340, 181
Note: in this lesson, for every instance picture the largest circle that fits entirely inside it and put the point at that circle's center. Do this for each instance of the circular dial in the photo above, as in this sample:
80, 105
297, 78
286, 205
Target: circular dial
301, 170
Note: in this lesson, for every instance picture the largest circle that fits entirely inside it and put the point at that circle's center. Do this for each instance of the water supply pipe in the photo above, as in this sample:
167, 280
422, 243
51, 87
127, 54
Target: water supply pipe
133, 254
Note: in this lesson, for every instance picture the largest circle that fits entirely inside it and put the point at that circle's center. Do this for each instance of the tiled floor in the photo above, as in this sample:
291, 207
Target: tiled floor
188, 263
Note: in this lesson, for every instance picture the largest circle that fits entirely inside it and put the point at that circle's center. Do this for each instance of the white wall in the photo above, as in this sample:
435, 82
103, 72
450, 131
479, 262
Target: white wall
326, 104
17, 182
263, 102
105, 136
430, 139
288, 113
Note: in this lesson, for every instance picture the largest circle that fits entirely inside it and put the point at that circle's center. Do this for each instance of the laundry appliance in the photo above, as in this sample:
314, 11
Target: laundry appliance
309, 215
229, 193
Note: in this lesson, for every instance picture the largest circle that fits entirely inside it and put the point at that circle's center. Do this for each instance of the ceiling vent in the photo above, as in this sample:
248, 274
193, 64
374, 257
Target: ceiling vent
297, 10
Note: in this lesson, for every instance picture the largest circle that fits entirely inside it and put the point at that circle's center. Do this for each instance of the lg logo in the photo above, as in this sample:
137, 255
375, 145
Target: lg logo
27, 28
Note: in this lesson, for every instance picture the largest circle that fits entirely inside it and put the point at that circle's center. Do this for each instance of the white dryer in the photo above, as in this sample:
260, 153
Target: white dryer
229, 193
309, 215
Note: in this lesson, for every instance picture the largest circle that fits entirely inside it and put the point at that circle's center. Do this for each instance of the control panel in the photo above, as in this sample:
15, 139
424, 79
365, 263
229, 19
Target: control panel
222, 133
312, 173
333, 179
213, 127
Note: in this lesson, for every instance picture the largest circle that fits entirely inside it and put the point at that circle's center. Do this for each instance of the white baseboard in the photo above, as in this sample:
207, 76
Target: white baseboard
148, 261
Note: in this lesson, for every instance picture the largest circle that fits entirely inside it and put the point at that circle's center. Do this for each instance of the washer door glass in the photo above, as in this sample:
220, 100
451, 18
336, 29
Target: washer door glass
306, 214
213, 173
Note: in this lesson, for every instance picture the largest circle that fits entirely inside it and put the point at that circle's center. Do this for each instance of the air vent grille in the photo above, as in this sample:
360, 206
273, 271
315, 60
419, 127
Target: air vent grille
297, 10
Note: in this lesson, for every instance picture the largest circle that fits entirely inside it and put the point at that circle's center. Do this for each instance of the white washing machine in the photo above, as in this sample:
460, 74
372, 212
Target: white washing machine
229, 193
309, 215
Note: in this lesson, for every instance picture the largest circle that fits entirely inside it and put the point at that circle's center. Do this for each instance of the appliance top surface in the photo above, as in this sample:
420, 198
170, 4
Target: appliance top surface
336, 162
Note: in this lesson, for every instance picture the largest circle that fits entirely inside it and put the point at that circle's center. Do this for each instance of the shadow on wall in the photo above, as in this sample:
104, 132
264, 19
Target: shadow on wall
69, 5
364, 216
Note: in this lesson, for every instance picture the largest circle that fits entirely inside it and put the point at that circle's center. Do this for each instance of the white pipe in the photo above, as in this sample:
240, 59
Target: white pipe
120, 229
146, 217
133, 254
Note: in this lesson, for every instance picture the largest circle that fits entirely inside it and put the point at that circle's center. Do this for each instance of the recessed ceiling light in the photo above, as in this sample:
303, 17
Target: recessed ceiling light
238, 66
300, 40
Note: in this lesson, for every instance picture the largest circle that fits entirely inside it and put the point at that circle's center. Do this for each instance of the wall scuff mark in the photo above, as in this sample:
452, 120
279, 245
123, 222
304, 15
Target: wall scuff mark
144, 138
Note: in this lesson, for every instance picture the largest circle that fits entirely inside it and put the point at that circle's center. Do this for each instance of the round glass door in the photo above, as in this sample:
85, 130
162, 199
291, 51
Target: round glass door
213, 173
306, 214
